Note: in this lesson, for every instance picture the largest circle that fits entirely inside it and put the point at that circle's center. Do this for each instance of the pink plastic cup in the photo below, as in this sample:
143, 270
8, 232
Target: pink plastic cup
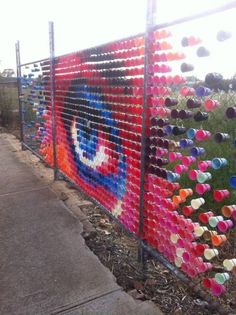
203, 165
179, 169
220, 195
224, 226
234, 215
202, 135
187, 91
161, 152
193, 174
211, 105
187, 160
175, 156
205, 267
204, 217
202, 188
217, 289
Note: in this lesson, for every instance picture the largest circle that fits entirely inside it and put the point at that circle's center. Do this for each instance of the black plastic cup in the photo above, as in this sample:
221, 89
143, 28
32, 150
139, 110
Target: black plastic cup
185, 114
170, 102
200, 116
178, 130
231, 112
193, 103
162, 122
221, 137
175, 113
186, 67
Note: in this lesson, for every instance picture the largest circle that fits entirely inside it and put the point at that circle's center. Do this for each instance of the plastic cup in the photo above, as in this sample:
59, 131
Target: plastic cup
197, 151
232, 181
174, 238
191, 133
171, 102
199, 230
175, 156
185, 114
221, 137
203, 91
186, 143
231, 112
193, 103
161, 122
211, 105
188, 160
203, 177
202, 188
210, 253
218, 163
202, 135
221, 278
217, 289
200, 248
178, 261
203, 52
178, 130
184, 193
187, 91
227, 211
180, 251
175, 113
200, 116
207, 283
218, 240
185, 67
223, 35
229, 264
186, 256
197, 203
193, 174
213, 221
179, 169
205, 216
178, 199
224, 226
220, 195
187, 210
169, 129
203, 165
207, 235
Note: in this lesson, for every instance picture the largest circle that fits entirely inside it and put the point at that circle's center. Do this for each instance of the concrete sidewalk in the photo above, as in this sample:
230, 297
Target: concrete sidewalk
45, 266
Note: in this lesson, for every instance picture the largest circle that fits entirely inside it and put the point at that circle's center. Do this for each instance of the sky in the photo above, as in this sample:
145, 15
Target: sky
79, 24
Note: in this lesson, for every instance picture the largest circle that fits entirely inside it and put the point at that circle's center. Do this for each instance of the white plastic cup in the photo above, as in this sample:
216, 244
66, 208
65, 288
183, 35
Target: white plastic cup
210, 253
197, 203
229, 264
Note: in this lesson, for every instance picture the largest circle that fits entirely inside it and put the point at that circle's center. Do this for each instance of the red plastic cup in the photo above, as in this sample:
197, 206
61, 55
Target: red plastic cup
220, 195
203, 165
205, 216
187, 210
193, 174
187, 160
202, 188
224, 226
202, 135
211, 105
207, 282
199, 248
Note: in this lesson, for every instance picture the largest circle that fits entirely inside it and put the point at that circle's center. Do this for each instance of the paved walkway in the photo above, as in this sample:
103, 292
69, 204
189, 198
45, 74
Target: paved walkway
45, 266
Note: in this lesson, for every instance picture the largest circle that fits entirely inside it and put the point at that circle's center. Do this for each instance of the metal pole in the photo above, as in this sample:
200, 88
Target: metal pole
21, 113
52, 92
149, 24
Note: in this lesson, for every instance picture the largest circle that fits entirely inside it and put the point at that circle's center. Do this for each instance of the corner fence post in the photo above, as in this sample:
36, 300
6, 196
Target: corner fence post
19, 87
52, 94
150, 20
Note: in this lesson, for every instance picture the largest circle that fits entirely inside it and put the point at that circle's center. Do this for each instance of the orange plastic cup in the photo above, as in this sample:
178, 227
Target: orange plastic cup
184, 193
178, 199
217, 240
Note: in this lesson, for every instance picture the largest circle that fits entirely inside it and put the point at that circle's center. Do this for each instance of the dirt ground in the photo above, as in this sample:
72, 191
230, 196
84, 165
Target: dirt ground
118, 251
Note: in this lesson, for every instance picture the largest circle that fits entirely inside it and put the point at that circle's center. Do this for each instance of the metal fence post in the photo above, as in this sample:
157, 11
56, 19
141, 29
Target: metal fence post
52, 93
21, 113
149, 23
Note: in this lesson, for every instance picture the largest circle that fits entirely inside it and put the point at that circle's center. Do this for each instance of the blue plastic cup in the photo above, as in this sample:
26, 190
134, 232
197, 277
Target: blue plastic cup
168, 129
232, 181
172, 177
191, 133
202, 91
186, 143
218, 163
197, 151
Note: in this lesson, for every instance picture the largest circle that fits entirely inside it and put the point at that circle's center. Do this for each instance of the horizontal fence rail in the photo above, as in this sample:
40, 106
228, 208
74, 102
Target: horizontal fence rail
145, 126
